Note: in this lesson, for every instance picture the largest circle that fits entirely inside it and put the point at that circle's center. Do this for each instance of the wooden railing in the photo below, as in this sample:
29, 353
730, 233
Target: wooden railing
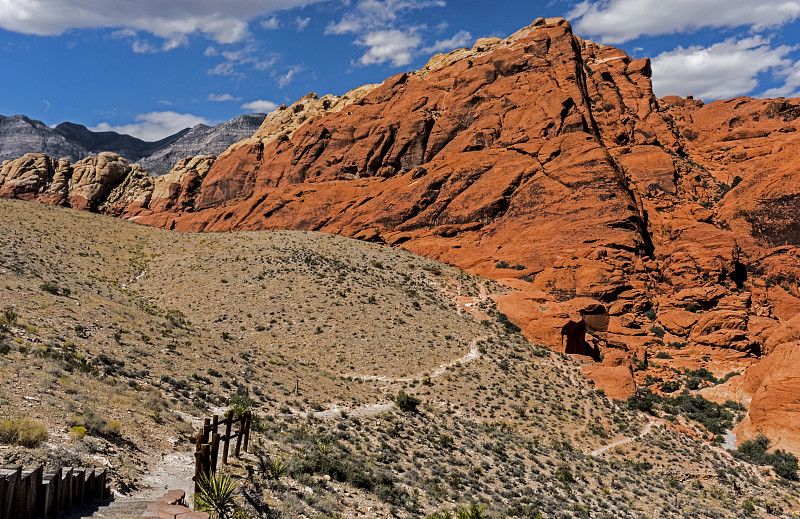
30, 492
209, 439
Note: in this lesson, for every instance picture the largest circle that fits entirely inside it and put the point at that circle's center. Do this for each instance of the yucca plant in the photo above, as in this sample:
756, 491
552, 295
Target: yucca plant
272, 467
216, 495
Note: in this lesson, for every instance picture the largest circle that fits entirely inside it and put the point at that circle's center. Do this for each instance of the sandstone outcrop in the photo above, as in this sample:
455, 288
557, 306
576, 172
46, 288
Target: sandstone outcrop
772, 391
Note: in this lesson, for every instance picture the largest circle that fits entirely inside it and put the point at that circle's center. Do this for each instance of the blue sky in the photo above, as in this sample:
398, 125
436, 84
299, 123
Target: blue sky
152, 67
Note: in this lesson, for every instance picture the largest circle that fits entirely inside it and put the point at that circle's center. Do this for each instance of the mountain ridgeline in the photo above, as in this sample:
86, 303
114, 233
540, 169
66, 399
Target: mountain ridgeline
20, 135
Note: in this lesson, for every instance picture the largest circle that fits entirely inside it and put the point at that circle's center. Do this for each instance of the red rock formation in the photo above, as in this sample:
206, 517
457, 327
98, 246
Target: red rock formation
773, 390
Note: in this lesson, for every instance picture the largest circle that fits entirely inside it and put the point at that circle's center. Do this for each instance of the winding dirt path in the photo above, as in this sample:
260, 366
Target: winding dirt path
473, 354
647, 428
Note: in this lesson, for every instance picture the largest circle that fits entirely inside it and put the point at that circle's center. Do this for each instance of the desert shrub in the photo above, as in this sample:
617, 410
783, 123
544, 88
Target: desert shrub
663, 355
343, 466
406, 402
756, 451
77, 432
272, 467
50, 287
23, 432
658, 331
216, 495
241, 402
96, 423
8, 317
564, 474
714, 417
670, 386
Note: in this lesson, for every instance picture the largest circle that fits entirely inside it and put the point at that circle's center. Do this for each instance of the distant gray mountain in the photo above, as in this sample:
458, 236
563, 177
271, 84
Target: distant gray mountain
20, 135
202, 140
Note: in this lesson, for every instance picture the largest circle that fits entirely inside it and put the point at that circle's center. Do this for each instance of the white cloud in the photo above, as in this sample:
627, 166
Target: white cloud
288, 76
460, 39
302, 23
154, 125
618, 21
173, 21
218, 98
791, 86
235, 60
271, 23
260, 106
370, 15
726, 69
392, 45
378, 25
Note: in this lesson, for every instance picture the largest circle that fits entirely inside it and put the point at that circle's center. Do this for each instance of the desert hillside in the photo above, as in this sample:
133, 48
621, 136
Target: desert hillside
134, 334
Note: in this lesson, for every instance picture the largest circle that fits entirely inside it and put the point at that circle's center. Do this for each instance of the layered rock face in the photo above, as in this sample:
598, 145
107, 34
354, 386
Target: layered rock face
621, 224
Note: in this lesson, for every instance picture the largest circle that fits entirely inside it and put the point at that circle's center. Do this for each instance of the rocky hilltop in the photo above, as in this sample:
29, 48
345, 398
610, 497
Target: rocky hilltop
20, 135
656, 234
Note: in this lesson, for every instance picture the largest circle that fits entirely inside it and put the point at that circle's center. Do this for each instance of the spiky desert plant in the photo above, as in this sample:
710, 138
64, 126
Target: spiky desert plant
216, 495
273, 467
8, 316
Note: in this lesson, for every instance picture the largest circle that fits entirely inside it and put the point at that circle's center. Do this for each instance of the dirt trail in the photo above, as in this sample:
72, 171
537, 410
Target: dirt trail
623, 441
172, 472
473, 354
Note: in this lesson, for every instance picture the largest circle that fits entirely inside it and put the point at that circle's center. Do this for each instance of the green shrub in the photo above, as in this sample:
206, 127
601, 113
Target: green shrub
755, 451
272, 467
658, 331
77, 432
23, 432
8, 317
406, 402
216, 495
96, 423
240, 403
51, 287
663, 355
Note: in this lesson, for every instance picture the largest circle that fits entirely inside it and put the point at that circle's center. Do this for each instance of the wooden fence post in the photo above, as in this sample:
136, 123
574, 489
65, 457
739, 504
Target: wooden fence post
248, 424
206, 429
205, 455
198, 462
214, 451
239, 437
228, 424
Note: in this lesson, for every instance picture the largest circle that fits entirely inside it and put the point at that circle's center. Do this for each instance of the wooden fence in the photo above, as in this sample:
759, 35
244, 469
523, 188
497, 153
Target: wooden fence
208, 442
27, 493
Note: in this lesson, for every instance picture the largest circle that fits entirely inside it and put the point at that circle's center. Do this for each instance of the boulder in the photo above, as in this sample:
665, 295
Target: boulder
614, 376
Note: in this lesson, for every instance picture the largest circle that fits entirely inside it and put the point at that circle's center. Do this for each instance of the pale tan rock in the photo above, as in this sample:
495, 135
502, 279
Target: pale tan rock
27, 176
94, 178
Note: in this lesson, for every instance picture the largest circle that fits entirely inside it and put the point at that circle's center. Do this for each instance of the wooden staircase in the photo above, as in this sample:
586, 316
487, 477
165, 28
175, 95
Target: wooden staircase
172, 505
